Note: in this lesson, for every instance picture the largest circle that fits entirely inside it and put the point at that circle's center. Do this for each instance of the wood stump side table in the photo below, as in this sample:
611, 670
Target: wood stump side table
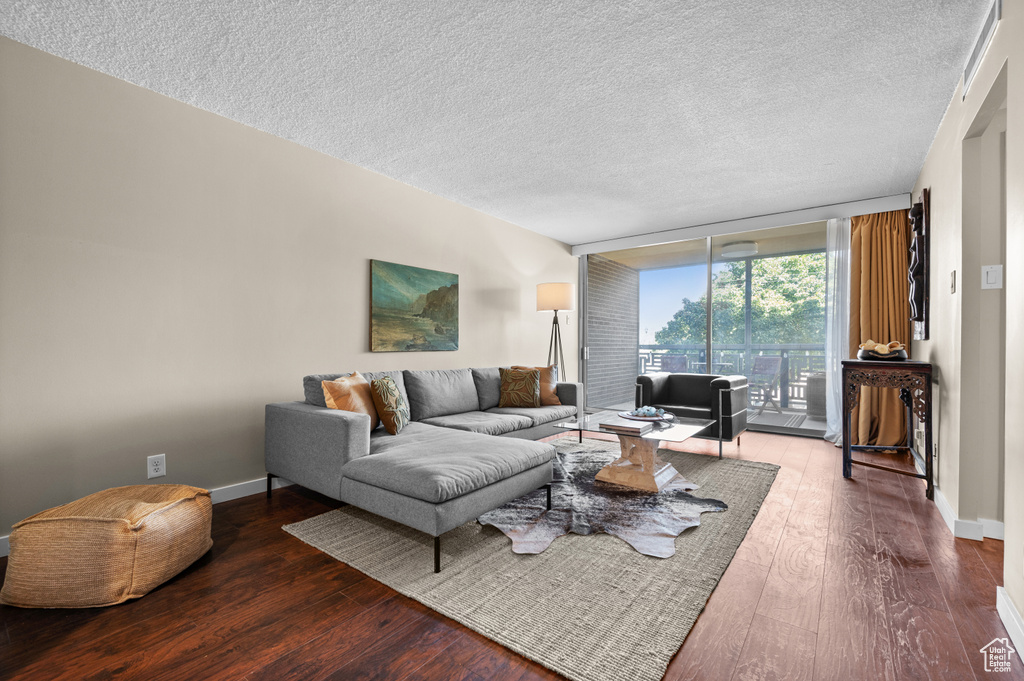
914, 381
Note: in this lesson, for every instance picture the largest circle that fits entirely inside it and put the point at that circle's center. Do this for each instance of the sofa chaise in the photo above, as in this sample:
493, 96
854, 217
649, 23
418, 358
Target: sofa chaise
460, 456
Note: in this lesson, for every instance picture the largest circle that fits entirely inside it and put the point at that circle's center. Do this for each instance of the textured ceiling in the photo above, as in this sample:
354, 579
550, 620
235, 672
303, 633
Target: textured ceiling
582, 120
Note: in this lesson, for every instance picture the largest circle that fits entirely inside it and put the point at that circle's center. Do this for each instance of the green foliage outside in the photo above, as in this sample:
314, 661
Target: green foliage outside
787, 304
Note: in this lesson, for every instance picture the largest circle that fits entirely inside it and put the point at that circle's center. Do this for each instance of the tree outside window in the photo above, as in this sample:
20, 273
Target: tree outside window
787, 304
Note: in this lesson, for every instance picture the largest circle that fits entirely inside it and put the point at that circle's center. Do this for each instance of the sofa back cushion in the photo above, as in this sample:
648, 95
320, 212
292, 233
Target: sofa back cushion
488, 387
312, 385
439, 393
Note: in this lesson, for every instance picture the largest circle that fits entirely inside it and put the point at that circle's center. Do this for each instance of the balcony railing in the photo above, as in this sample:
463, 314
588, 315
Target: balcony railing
798, 362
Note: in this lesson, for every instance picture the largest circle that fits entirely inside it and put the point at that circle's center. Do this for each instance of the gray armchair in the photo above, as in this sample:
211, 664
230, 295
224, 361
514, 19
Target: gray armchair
722, 399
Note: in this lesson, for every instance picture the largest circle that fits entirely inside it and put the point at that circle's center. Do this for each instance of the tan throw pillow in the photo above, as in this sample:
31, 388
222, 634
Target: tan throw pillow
391, 406
519, 388
548, 381
351, 393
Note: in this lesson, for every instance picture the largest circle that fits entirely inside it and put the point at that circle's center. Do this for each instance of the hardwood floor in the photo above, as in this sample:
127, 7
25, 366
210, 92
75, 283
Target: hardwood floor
836, 579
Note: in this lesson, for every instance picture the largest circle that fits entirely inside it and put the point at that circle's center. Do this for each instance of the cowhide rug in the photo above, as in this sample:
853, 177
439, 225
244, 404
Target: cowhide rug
580, 504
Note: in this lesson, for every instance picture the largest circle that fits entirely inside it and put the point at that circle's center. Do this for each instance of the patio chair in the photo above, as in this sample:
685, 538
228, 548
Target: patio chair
762, 381
674, 363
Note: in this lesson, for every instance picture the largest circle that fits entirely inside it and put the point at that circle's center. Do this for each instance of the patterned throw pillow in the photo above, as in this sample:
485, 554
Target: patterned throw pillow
391, 406
519, 388
351, 393
548, 381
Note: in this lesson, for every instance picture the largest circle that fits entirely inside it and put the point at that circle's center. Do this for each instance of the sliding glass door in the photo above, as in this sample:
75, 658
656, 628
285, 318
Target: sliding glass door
769, 322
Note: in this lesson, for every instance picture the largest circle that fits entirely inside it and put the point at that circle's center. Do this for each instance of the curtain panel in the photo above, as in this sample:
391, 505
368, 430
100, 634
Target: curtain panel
880, 311
837, 323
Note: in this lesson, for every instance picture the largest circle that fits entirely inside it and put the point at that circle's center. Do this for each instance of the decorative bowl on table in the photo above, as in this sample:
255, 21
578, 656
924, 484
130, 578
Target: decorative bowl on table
893, 352
647, 414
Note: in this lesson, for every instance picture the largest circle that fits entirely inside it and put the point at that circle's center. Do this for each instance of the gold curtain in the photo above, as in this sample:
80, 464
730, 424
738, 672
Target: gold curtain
880, 311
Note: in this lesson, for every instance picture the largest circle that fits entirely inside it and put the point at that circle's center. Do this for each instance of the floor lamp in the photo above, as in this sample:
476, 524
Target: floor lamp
556, 296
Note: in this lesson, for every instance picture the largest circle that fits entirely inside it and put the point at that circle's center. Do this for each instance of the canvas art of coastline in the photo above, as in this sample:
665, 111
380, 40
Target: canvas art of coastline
412, 309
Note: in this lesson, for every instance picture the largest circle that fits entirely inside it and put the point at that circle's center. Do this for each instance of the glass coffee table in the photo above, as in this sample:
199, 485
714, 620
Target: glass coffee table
639, 466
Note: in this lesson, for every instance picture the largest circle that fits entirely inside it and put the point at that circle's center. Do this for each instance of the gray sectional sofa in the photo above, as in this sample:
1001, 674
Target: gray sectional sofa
459, 457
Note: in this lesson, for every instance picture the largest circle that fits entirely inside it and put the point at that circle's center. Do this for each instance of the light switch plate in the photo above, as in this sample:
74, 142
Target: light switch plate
992, 276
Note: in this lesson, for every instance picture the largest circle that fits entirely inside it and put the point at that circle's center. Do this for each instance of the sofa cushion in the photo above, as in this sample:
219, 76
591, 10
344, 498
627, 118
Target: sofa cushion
538, 415
519, 388
439, 393
488, 387
438, 464
548, 382
479, 422
380, 441
391, 407
351, 393
312, 385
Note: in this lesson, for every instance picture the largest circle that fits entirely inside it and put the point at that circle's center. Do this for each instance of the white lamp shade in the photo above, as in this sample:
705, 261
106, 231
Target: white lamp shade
556, 296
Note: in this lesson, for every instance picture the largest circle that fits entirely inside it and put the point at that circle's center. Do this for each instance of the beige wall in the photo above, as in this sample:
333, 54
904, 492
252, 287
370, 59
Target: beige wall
982, 364
165, 272
961, 241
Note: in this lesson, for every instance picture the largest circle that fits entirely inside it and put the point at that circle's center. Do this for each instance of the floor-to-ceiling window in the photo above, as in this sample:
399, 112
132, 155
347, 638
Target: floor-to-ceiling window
766, 320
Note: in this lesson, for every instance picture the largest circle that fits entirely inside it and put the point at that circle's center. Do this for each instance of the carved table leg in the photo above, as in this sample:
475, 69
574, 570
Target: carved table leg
847, 418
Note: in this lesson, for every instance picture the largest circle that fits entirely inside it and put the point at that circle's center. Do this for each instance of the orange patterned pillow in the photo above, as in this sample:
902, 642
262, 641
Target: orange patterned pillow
391, 406
548, 381
351, 393
519, 388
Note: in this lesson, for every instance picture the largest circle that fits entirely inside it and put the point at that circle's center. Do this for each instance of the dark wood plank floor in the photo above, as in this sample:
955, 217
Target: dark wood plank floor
836, 579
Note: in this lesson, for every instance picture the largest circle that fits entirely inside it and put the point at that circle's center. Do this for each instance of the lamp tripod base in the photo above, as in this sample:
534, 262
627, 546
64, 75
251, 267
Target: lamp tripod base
555, 355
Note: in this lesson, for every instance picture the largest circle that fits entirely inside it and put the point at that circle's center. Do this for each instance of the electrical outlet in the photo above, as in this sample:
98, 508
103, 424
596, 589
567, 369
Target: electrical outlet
156, 466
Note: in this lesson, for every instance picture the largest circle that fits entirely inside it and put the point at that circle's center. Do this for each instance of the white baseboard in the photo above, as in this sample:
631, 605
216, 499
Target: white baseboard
218, 495
967, 529
945, 510
244, 489
992, 529
1010, 616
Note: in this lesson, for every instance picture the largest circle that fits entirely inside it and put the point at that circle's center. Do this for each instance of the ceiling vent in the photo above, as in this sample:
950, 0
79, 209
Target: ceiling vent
987, 30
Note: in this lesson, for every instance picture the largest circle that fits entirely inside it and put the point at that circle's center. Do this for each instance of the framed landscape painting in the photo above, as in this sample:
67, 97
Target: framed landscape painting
412, 309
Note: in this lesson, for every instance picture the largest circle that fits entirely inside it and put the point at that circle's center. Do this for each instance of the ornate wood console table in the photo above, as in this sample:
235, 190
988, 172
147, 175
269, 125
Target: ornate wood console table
914, 381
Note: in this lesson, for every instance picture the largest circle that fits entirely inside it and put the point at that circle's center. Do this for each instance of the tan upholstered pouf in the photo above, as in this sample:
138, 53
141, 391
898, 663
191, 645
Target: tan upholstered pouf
108, 547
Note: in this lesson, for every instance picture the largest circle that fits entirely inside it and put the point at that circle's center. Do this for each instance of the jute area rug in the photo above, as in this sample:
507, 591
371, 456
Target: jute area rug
589, 607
